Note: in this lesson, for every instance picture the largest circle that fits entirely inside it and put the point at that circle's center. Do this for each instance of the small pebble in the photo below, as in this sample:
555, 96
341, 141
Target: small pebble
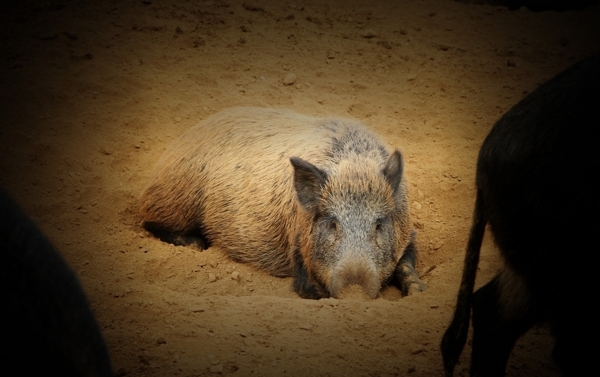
235, 276
212, 277
369, 33
289, 79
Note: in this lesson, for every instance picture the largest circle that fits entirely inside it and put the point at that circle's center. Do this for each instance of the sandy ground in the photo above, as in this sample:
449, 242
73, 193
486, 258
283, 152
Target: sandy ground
93, 92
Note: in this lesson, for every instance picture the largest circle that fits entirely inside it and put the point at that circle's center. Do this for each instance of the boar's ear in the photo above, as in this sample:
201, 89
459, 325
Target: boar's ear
308, 181
393, 170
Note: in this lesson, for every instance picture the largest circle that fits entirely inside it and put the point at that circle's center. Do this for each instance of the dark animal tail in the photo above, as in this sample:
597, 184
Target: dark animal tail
456, 335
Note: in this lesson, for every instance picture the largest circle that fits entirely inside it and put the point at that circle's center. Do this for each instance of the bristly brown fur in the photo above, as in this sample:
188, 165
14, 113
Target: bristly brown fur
230, 177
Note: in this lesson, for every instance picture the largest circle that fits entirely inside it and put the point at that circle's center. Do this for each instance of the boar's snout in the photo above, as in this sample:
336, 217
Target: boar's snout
353, 278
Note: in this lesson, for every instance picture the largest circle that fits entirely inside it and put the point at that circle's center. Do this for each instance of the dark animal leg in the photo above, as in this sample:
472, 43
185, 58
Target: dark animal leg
406, 276
191, 238
302, 283
497, 325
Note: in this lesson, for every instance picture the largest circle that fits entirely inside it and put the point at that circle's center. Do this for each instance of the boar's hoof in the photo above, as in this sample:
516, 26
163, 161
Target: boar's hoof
195, 238
408, 280
416, 286
304, 287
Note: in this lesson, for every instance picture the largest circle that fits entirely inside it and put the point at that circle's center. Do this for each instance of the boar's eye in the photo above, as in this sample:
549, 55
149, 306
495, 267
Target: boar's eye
383, 233
379, 224
332, 225
329, 229
329, 224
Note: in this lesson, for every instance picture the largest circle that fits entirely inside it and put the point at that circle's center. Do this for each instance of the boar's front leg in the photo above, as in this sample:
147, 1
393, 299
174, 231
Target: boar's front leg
303, 285
406, 276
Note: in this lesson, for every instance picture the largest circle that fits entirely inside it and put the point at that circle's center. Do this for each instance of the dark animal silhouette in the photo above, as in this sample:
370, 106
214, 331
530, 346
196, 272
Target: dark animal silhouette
48, 328
537, 188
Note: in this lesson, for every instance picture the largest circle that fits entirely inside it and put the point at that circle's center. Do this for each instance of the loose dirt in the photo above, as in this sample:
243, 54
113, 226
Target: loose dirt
91, 93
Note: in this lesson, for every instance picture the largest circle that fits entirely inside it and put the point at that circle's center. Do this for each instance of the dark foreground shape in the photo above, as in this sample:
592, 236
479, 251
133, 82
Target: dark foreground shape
537, 188
47, 326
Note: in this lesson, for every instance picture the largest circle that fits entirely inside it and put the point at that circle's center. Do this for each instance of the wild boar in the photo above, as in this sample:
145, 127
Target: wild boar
322, 200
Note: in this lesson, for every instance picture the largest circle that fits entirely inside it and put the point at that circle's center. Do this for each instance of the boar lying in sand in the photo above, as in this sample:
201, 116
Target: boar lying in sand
322, 200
